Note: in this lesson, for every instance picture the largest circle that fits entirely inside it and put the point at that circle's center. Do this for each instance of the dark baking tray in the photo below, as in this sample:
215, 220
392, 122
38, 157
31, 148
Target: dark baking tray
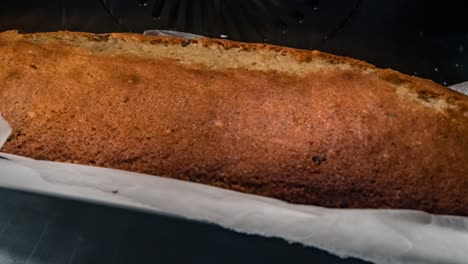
46, 230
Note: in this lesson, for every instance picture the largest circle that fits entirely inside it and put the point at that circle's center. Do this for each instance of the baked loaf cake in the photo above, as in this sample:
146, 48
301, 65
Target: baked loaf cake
302, 126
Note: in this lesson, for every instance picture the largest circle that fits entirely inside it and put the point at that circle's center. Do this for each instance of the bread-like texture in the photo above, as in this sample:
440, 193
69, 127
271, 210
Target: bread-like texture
303, 126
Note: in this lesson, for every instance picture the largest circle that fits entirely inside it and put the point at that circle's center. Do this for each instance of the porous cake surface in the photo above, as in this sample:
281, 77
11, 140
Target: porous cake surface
302, 126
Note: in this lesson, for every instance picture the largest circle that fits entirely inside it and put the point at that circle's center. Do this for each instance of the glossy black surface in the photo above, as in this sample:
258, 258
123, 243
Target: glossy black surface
423, 38
44, 230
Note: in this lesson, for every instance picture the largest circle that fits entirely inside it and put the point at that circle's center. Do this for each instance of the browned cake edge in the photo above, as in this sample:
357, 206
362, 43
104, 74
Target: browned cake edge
424, 91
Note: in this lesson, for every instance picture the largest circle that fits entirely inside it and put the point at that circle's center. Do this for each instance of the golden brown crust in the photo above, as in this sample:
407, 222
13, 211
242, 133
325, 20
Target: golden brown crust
299, 55
344, 134
420, 84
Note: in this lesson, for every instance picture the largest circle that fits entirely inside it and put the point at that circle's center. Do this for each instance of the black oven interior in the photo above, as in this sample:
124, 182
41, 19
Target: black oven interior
423, 38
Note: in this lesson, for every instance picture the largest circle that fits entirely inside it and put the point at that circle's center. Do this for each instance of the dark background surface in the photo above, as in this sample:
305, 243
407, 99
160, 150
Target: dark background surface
428, 39
44, 230
424, 38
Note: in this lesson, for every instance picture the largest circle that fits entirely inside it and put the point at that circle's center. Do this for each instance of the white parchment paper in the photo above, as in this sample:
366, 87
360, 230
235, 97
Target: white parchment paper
380, 236
171, 33
461, 87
